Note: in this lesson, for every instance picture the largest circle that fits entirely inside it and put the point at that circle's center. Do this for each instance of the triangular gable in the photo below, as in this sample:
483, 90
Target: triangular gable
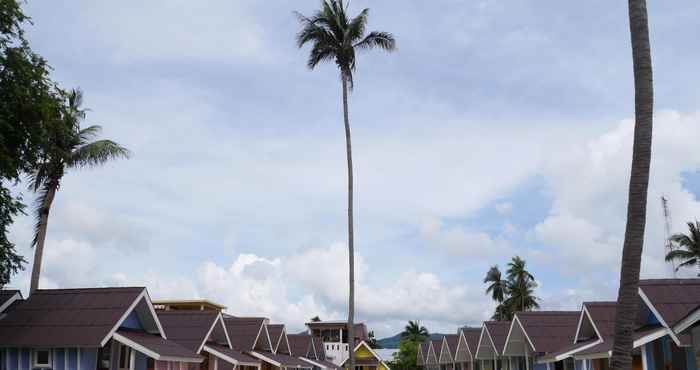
262, 340
485, 345
283, 343
462, 352
217, 333
9, 299
445, 354
658, 316
517, 332
432, 358
369, 349
586, 328
143, 308
420, 360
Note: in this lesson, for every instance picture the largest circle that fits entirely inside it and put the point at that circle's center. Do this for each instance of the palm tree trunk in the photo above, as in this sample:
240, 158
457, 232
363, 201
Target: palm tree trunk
628, 300
351, 236
41, 238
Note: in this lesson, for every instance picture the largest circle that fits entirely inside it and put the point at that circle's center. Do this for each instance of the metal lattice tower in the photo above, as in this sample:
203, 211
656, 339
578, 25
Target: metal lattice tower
667, 225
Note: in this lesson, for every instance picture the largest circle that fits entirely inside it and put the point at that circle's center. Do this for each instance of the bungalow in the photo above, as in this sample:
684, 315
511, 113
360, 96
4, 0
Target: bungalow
303, 347
448, 349
366, 358
272, 356
466, 347
334, 336
204, 332
535, 335
89, 329
489, 351
434, 346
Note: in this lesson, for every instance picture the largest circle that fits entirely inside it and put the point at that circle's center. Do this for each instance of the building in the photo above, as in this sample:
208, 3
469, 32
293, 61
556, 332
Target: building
188, 304
303, 347
448, 349
88, 329
366, 358
489, 351
466, 348
334, 336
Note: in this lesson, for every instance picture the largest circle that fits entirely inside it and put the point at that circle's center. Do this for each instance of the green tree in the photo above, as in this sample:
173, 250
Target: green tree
688, 252
372, 340
627, 298
336, 37
405, 357
76, 148
414, 331
315, 319
521, 286
514, 293
28, 98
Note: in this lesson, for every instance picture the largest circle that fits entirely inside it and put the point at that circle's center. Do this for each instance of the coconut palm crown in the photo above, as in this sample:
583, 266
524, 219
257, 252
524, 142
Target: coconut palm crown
688, 247
335, 37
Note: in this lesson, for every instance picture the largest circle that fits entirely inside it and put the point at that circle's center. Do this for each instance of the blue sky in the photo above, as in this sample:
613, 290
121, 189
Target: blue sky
497, 128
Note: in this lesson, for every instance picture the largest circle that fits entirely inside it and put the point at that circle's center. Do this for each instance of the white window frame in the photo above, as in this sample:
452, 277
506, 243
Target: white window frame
35, 359
128, 357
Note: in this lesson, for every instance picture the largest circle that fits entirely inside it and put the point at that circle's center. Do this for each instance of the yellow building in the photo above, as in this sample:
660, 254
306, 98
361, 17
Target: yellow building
367, 359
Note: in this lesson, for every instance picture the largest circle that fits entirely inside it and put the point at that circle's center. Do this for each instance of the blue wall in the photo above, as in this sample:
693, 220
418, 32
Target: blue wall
141, 361
132, 321
540, 367
59, 359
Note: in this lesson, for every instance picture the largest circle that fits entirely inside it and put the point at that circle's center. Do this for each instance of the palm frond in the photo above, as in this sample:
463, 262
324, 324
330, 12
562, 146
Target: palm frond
383, 40
97, 153
89, 134
689, 262
356, 27
679, 254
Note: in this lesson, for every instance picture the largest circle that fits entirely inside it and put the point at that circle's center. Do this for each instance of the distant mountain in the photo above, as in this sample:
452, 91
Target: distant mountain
393, 342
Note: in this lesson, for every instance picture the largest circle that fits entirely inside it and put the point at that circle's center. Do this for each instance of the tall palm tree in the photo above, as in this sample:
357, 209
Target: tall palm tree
627, 299
689, 247
335, 37
74, 148
414, 331
497, 286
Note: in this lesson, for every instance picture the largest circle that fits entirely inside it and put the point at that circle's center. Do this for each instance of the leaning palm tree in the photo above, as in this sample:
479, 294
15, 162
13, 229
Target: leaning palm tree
414, 331
335, 37
73, 148
627, 299
688, 251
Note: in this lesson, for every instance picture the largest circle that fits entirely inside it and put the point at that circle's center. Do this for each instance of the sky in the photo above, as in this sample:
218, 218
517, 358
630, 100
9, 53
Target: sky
498, 128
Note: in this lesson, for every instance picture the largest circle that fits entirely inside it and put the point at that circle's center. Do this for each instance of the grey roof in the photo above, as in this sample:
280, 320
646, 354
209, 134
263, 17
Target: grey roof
243, 331
285, 360
674, 299
472, 336
549, 331
301, 345
238, 356
498, 331
66, 317
188, 328
164, 348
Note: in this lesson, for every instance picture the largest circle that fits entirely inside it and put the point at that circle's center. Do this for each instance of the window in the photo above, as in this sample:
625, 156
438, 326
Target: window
42, 358
124, 357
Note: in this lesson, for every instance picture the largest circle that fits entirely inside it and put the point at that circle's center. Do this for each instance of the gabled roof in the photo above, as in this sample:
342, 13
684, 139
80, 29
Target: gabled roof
601, 318
430, 355
435, 350
493, 334
301, 345
318, 347
76, 317
7, 297
448, 348
278, 338
248, 333
156, 347
548, 331
193, 329
420, 356
471, 335
280, 360
231, 356
672, 301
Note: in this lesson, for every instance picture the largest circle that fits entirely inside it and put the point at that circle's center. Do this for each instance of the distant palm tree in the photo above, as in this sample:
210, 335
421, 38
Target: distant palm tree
521, 286
627, 297
415, 332
689, 247
335, 37
315, 319
497, 286
76, 148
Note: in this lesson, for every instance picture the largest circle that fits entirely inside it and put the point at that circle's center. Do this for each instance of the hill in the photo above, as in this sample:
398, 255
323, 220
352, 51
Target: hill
393, 341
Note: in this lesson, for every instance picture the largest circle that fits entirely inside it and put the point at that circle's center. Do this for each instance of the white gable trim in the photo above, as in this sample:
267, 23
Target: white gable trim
223, 325
568, 354
661, 332
590, 319
463, 338
7, 304
656, 313
265, 358
313, 363
524, 332
379, 358
211, 329
580, 322
154, 355
227, 358
143, 295
680, 327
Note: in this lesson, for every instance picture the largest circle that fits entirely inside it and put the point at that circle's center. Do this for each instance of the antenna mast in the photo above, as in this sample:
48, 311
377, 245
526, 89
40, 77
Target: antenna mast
667, 223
